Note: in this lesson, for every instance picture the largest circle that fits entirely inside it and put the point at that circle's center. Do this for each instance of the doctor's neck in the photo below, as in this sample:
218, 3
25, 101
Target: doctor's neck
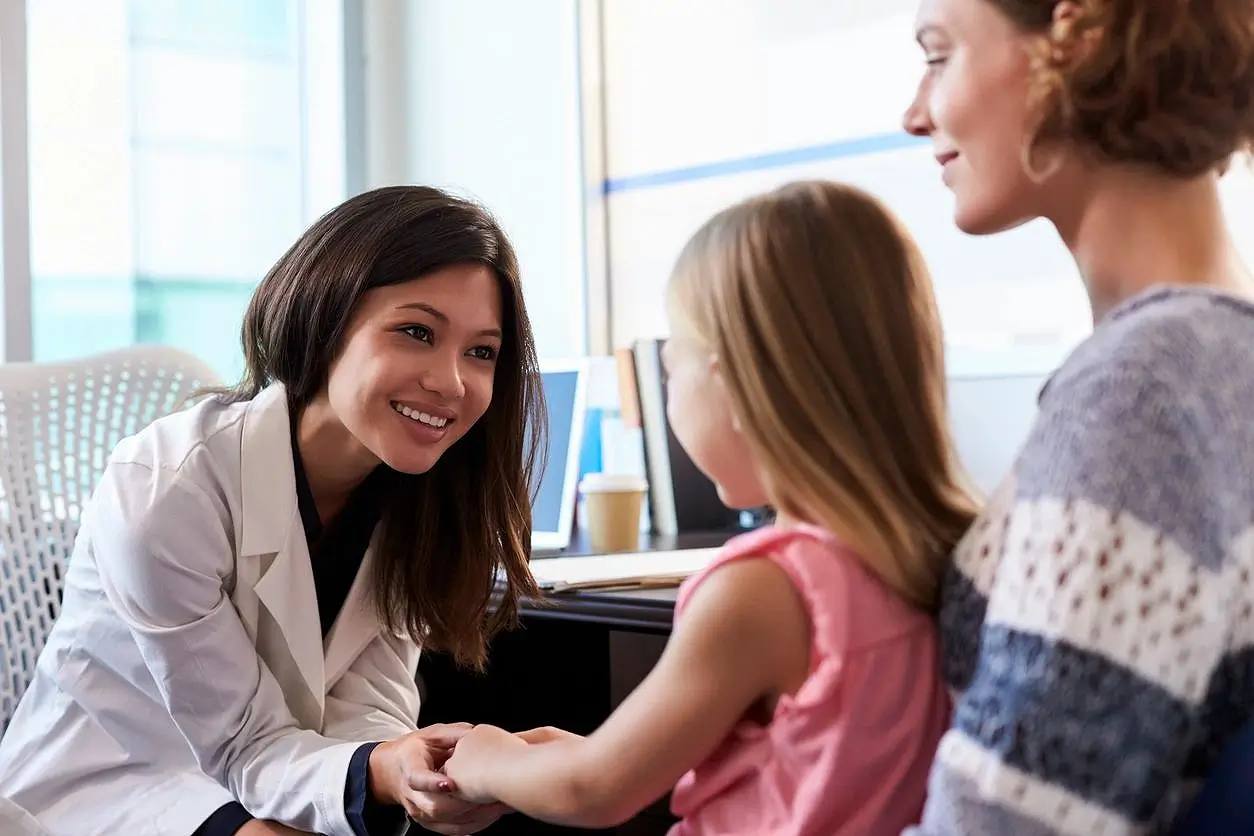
335, 461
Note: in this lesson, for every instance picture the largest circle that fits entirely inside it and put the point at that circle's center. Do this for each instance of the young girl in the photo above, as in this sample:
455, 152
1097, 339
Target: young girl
800, 692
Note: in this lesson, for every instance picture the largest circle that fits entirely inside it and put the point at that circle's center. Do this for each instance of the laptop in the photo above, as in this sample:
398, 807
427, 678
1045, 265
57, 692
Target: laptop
553, 508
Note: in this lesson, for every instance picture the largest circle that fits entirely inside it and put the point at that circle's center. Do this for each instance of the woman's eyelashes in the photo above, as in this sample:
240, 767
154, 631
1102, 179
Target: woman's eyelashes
419, 332
422, 333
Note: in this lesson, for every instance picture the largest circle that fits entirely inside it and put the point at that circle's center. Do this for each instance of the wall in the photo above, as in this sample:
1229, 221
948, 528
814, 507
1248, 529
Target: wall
481, 97
710, 101
738, 96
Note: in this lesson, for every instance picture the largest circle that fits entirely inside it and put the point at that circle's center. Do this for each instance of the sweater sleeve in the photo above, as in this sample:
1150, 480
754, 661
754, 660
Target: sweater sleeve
1099, 600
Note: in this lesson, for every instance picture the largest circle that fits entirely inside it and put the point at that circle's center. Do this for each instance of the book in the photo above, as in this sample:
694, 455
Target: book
628, 398
634, 570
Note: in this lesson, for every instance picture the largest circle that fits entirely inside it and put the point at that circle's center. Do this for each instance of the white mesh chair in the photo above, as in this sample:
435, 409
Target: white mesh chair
58, 424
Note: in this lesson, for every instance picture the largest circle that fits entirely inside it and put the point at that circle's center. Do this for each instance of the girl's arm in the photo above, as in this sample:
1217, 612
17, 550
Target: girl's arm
744, 635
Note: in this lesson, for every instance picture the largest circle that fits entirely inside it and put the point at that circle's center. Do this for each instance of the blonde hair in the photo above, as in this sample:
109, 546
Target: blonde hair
820, 309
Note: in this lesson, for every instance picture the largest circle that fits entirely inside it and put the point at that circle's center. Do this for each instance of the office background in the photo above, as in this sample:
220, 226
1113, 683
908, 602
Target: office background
156, 156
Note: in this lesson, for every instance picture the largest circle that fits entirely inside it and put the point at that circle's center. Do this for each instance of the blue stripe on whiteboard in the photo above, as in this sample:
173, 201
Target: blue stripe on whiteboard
775, 159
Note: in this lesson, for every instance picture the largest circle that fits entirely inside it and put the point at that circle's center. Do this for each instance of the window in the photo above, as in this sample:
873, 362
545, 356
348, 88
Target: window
169, 167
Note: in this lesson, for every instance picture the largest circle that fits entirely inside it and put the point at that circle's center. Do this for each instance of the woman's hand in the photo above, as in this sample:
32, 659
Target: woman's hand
405, 771
477, 752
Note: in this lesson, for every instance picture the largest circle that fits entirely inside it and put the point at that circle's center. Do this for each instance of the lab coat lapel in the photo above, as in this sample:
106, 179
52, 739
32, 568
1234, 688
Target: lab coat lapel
289, 634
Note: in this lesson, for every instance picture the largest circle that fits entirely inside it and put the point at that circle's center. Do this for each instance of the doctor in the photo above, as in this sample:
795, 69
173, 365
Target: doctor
254, 575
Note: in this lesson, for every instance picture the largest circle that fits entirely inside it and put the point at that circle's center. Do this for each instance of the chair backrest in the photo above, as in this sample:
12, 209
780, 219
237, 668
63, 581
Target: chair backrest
58, 424
1226, 801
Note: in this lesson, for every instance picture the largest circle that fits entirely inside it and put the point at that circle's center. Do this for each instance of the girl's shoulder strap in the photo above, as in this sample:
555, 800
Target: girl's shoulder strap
771, 542
847, 605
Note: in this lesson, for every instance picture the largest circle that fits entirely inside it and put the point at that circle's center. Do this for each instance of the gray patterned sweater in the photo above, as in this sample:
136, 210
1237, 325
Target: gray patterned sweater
1097, 620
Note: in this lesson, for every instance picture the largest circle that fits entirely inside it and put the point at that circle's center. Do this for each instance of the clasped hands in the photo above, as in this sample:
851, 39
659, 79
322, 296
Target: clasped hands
410, 772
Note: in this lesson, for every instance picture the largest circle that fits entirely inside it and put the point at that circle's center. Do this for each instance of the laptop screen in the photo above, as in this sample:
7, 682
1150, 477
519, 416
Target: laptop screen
553, 508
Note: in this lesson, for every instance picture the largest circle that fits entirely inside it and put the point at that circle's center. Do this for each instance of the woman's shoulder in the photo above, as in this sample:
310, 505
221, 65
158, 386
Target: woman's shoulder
171, 489
190, 456
1149, 418
182, 441
1171, 364
1169, 339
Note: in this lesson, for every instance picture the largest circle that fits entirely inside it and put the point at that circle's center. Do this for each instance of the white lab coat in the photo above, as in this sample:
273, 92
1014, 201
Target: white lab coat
188, 667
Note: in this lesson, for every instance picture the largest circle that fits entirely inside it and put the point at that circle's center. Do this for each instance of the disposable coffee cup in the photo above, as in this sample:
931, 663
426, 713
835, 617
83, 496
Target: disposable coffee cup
612, 505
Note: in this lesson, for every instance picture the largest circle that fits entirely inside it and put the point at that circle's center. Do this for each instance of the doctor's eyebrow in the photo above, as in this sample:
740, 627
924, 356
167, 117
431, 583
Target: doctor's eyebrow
442, 317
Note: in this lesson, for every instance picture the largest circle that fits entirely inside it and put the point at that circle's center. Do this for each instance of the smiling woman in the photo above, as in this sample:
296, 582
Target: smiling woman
408, 300
1096, 619
264, 566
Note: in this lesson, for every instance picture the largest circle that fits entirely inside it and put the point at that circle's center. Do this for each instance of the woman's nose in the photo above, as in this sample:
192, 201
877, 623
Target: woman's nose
443, 377
917, 120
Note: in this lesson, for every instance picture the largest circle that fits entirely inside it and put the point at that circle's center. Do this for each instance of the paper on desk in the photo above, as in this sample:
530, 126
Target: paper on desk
661, 568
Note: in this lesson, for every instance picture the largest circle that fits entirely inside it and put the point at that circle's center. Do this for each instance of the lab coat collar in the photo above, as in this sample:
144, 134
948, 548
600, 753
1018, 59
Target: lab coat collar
271, 528
271, 525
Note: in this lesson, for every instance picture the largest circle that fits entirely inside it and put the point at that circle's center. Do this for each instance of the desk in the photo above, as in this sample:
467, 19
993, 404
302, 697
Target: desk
571, 664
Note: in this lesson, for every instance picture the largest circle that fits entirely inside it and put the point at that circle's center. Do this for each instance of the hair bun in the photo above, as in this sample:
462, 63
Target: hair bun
1162, 83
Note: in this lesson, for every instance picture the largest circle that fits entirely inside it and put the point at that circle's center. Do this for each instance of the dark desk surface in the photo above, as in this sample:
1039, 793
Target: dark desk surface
645, 610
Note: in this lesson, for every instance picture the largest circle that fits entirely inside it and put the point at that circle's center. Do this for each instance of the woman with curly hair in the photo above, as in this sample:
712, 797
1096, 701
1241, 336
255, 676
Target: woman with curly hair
1097, 619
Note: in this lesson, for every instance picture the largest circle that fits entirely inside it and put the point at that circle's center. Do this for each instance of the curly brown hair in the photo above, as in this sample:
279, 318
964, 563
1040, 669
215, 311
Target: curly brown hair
1167, 84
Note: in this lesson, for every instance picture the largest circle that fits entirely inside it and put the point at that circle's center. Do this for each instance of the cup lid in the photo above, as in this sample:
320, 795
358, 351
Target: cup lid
612, 483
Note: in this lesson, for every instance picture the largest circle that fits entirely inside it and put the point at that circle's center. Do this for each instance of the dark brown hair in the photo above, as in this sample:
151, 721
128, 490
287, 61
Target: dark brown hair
1168, 84
443, 534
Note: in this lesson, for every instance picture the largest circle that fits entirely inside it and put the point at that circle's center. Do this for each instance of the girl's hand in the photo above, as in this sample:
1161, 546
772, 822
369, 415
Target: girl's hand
476, 754
546, 734
405, 771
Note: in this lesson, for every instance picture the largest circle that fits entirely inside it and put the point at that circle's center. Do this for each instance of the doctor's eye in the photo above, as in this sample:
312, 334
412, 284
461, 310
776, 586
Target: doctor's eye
418, 332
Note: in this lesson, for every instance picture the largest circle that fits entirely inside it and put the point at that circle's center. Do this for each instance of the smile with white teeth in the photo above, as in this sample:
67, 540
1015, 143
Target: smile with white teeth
420, 417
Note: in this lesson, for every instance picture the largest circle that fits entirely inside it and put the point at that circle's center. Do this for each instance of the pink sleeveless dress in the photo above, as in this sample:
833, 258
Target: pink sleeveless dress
849, 753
